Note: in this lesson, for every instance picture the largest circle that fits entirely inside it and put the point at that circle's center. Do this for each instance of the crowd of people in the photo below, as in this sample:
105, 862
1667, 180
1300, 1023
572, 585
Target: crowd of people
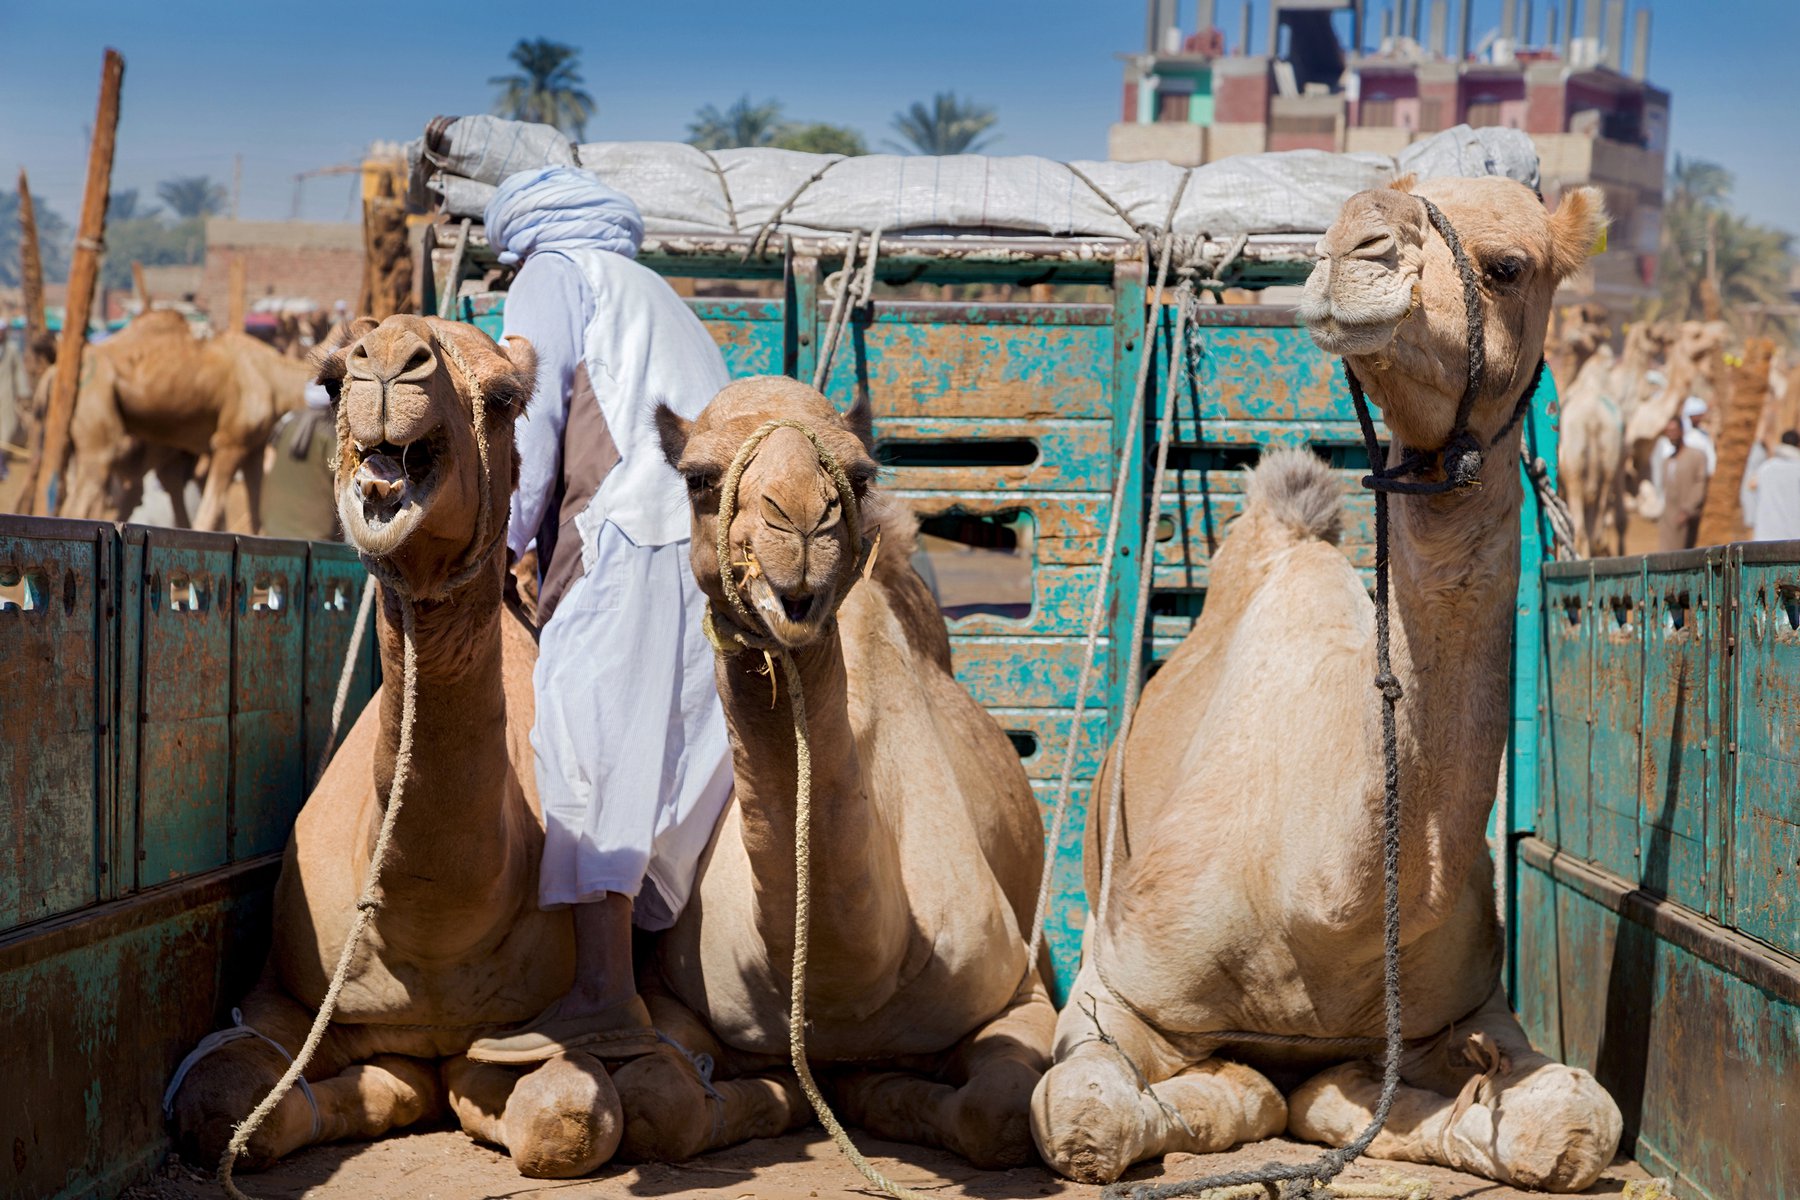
1682, 467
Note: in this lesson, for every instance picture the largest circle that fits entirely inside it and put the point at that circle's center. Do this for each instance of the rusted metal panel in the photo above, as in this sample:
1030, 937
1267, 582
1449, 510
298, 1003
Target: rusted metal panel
1066, 528
334, 583
1692, 1028
183, 747
268, 634
1570, 620
1272, 373
749, 333
1678, 779
1023, 371
1044, 733
55, 811
1616, 739
1066, 921
1005, 672
1765, 810
989, 454
97, 1008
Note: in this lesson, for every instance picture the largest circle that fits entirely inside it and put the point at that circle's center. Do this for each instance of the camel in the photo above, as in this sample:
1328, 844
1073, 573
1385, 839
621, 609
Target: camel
458, 947
154, 383
1584, 328
927, 1021
1598, 405
1242, 939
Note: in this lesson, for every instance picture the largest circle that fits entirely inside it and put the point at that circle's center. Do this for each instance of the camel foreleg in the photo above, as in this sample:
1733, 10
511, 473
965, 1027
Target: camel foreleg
673, 1113
978, 1105
223, 464
1119, 1093
558, 1120
1477, 1099
343, 1100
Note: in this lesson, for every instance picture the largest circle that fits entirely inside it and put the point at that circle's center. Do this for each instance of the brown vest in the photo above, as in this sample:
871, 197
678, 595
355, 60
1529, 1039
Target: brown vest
588, 453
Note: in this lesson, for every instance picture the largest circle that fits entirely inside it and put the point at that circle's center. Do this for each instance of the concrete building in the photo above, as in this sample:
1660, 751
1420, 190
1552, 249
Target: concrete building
1374, 75
289, 260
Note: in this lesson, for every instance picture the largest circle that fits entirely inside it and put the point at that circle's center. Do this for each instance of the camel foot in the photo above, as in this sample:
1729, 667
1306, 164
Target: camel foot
1540, 1125
563, 1119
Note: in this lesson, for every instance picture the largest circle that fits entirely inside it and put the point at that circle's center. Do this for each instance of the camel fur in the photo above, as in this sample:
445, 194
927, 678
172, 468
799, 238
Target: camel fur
926, 1022
1247, 885
459, 947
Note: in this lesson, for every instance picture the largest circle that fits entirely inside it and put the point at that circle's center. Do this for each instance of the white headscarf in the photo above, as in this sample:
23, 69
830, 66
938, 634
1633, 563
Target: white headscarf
561, 207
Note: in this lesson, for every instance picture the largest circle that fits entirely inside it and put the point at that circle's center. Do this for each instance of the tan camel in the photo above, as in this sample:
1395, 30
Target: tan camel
458, 947
1598, 404
1246, 905
1582, 330
924, 1016
156, 384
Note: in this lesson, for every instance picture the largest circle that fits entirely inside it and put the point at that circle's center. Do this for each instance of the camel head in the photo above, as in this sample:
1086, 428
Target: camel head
1586, 327
410, 393
789, 540
1387, 296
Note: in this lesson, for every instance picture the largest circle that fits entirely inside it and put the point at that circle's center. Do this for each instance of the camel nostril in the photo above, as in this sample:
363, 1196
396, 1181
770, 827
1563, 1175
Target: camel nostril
418, 360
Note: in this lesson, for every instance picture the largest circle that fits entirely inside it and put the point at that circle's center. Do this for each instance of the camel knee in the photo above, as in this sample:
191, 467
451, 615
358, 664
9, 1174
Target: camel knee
668, 1115
1222, 1104
990, 1115
563, 1119
390, 1091
221, 1090
1086, 1118
1556, 1129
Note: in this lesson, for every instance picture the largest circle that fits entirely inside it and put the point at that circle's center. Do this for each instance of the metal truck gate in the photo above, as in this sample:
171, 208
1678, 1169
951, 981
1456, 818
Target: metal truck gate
1658, 941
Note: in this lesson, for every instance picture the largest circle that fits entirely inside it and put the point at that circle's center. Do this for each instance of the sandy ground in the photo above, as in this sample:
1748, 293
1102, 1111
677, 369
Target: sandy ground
444, 1165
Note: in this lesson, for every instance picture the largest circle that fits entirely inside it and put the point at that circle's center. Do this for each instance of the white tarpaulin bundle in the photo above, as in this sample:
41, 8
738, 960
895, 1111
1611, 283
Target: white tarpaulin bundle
682, 190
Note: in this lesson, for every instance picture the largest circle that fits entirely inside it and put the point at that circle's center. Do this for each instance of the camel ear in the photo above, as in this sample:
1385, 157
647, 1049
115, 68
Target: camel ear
860, 419
674, 430
1575, 229
513, 389
331, 359
1404, 183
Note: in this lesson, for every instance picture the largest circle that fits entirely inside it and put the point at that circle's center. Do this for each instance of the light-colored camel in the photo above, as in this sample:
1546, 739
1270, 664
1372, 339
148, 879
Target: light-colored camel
1598, 404
459, 946
157, 385
1582, 330
1247, 888
926, 1021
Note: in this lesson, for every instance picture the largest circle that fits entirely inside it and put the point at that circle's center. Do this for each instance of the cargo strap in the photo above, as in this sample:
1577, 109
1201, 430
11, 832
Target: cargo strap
369, 902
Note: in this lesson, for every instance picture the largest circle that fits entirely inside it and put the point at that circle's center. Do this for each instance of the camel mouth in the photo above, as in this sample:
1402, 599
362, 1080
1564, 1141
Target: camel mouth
791, 620
390, 490
1338, 337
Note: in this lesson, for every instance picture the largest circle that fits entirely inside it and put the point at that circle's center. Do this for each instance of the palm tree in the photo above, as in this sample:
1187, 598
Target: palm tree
818, 137
743, 124
547, 89
192, 196
123, 206
948, 126
1707, 248
53, 240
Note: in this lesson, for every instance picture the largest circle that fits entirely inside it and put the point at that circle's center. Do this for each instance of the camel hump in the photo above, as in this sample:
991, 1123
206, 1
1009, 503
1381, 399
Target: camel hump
1299, 491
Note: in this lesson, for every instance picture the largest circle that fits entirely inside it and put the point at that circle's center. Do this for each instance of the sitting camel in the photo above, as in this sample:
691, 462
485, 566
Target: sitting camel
156, 397
1243, 935
924, 1014
458, 946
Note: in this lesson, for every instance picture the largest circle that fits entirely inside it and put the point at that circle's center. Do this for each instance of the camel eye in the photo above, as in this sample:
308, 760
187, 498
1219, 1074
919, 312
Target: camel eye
862, 475
701, 481
1507, 269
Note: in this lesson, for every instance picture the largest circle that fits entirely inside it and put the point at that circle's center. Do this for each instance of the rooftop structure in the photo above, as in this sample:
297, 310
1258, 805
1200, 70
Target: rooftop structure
1374, 75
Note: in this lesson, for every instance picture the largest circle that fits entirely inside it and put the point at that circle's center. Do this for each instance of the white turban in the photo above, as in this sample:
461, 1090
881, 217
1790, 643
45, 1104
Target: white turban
561, 207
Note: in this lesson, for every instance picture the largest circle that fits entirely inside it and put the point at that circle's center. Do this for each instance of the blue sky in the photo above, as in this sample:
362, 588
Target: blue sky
297, 86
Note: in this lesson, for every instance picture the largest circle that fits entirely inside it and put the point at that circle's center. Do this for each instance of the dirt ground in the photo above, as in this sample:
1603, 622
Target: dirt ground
445, 1165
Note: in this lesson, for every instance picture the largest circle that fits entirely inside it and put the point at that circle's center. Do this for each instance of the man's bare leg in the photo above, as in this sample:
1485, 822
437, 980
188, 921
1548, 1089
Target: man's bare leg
600, 1013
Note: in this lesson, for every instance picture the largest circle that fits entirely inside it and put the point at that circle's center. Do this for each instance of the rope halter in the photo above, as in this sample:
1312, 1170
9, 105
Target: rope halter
1461, 456
742, 628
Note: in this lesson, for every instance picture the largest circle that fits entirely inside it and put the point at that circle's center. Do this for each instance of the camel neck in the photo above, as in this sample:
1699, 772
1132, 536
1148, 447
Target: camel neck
858, 929
1455, 572
450, 848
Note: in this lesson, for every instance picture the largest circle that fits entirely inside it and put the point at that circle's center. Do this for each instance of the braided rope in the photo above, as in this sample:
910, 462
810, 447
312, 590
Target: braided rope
369, 902
840, 313
727, 638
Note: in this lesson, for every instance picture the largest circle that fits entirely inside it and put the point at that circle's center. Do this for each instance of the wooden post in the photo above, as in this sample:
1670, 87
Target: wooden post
31, 271
1722, 520
82, 274
142, 288
234, 311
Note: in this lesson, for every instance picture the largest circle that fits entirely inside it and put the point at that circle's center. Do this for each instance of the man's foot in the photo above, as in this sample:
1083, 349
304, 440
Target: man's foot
620, 1030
